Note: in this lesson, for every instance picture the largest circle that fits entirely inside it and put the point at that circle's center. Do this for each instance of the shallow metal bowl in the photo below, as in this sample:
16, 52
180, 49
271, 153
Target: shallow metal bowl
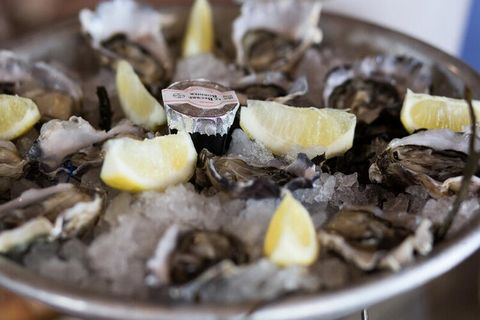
64, 43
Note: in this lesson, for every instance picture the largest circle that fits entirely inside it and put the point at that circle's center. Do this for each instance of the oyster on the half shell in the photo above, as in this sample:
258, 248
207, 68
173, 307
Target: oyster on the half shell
274, 34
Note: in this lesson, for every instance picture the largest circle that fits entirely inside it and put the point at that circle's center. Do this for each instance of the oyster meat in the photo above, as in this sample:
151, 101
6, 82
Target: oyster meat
428, 158
363, 236
55, 93
275, 86
240, 179
181, 256
273, 35
375, 84
124, 29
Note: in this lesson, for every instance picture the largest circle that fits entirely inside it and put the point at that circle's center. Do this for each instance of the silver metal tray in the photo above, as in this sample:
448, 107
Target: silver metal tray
64, 44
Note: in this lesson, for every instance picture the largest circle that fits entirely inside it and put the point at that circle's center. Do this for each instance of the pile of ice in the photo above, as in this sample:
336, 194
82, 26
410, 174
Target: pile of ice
129, 231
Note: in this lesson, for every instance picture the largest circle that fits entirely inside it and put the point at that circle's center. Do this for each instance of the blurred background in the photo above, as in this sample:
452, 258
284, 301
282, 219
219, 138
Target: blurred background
451, 25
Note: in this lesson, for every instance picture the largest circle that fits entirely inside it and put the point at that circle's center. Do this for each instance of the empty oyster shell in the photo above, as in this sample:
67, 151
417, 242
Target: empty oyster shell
59, 139
426, 158
374, 84
55, 93
273, 35
124, 29
363, 236
183, 255
240, 179
271, 86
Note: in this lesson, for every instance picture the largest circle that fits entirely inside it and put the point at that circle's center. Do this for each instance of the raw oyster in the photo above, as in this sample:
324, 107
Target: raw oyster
270, 86
182, 256
55, 93
262, 280
273, 35
428, 158
21, 237
57, 212
240, 179
374, 84
11, 164
366, 238
59, 139
124, 29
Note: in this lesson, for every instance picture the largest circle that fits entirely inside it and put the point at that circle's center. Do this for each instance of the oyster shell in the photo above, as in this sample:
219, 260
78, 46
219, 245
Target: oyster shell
19, 238
124, 29
271, 86
240, 179
428, 158
183, 255
55, 93
59, 139
11, 164
374, 84
259, 281
273, 35
366, 238
57, 212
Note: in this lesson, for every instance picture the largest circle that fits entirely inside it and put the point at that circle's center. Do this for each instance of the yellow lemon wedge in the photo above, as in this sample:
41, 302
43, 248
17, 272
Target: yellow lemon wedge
199, 35
286, 130
423, 111
151, 164
291, 237
17, 116
137, 103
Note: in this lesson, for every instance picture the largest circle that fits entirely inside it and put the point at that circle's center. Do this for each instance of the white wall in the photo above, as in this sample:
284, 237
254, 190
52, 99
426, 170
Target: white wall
438, 22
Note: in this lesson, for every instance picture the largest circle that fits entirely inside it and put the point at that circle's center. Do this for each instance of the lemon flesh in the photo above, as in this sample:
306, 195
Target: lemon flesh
286, 130
199, 35
291, 237
137, 103
423, 111
151, 164
17, 116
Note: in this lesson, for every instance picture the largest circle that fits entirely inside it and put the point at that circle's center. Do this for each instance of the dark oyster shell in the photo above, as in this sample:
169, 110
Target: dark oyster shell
367, 238
130, 31
375, 84
425, 158
273, 35
275, 86
240, 179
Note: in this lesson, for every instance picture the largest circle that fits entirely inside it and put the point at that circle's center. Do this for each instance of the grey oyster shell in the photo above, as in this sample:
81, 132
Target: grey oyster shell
59, 139
274, 34
124, 29
240, 179
374, 84
270, 85
54, 92
58, 212
366, 237
428, 158
182, 255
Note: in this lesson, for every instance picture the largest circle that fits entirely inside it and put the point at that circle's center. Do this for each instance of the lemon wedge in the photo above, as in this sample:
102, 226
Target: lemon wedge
151, 164
199, 35
291, 237
423, 111
286, 130
17, 116
137, 103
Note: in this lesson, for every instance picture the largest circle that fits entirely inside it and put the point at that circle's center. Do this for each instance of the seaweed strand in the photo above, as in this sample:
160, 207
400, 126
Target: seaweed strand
468, 171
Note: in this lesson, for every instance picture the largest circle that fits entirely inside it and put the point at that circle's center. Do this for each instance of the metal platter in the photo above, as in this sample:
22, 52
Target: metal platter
63, 43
